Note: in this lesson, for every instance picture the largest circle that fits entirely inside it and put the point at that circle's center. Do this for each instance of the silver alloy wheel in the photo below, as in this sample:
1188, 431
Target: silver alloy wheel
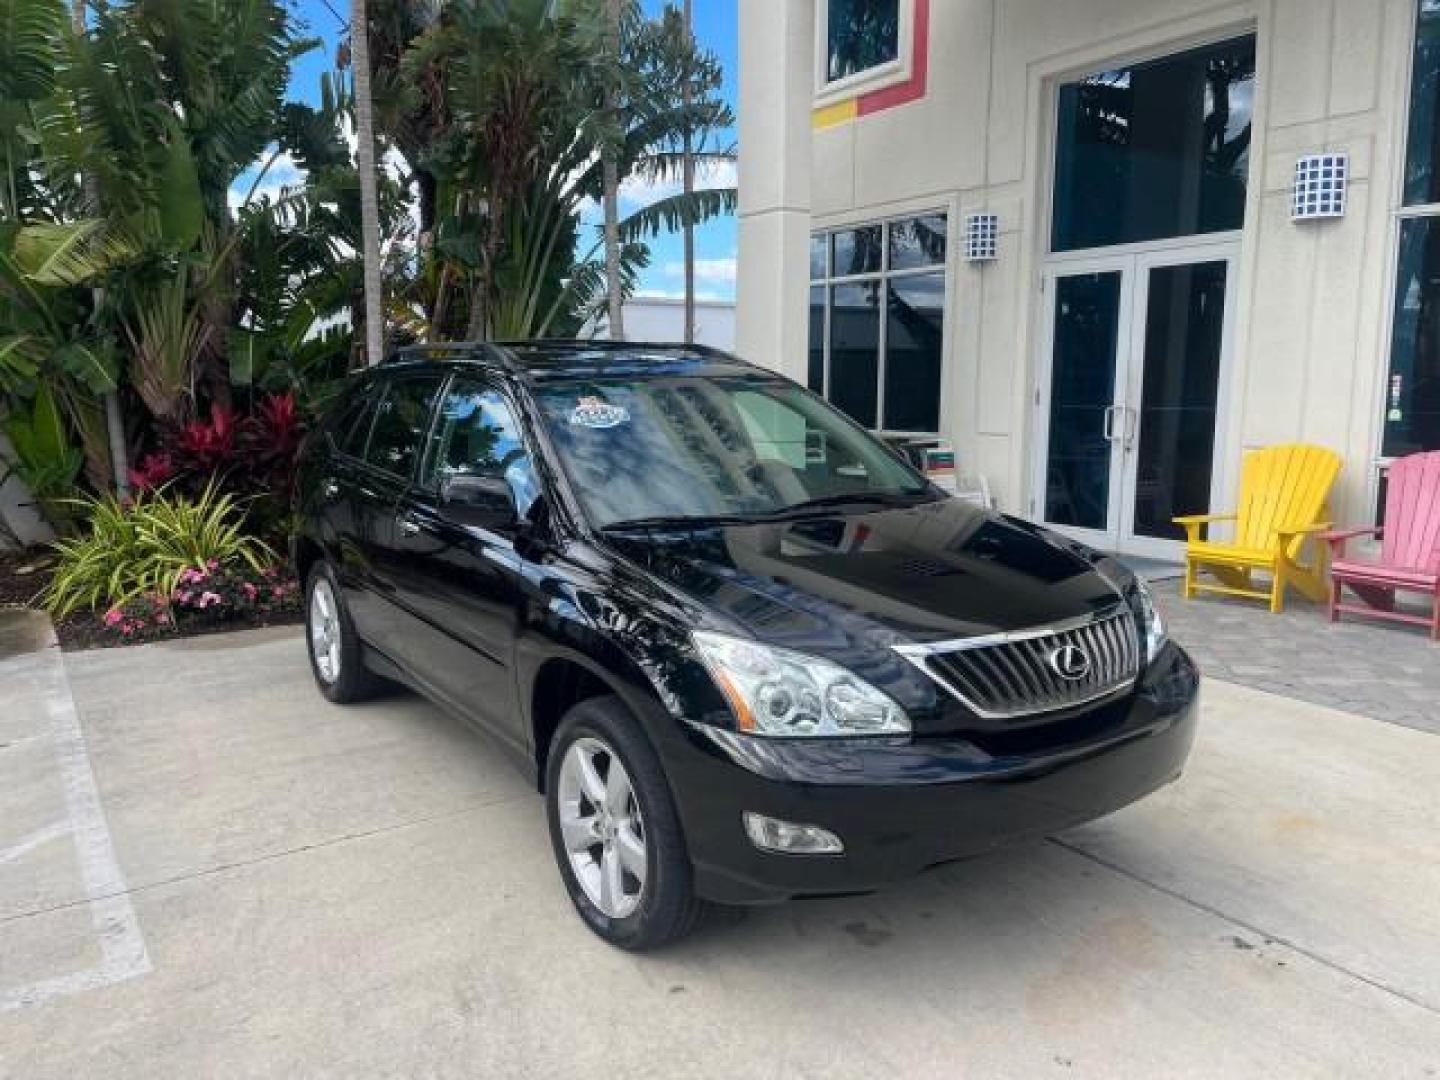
601, 826
324, 619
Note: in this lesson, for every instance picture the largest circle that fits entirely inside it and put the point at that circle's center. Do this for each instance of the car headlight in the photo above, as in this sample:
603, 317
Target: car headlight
1132, 587
1151, 624
779, 693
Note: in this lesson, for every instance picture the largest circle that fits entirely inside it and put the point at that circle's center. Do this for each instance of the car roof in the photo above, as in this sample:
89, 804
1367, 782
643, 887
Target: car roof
541, 361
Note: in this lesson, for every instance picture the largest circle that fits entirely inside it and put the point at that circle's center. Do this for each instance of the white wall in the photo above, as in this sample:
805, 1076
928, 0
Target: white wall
1313, 300
662, 320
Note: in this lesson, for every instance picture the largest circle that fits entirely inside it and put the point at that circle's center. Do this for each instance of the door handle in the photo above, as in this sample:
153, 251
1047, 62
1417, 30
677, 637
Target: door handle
407, 525
1107, 429
1132, 424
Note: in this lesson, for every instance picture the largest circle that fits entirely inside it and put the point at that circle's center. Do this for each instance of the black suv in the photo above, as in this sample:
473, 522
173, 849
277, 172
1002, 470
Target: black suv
744, 649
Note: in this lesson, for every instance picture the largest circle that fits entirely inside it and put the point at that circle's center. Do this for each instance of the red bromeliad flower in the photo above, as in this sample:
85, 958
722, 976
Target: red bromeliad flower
152, 471
209, 446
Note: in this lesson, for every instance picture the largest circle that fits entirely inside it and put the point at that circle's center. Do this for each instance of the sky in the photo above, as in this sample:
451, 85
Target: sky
715, 27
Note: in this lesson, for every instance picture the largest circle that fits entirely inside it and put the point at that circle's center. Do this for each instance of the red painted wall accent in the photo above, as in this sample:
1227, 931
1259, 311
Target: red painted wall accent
914, 89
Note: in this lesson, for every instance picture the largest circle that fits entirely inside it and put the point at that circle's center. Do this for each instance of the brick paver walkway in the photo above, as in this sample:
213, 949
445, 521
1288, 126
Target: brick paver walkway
1390, 672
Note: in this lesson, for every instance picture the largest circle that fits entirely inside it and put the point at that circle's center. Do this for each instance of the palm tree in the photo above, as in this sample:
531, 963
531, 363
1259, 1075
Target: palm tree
687, 98
114, 419
614, 289
369, 194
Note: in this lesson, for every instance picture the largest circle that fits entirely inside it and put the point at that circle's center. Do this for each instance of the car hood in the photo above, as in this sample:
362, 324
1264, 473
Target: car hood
937, 571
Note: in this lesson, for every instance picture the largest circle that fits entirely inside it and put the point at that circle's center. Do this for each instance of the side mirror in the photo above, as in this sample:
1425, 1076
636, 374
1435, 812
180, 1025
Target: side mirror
483, 501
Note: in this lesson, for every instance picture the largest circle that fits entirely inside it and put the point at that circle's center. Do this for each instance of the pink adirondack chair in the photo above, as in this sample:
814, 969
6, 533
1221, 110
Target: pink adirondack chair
1409, 558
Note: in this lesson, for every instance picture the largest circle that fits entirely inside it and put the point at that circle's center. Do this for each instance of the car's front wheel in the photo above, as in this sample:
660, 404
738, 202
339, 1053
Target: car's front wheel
614, 828
335, 654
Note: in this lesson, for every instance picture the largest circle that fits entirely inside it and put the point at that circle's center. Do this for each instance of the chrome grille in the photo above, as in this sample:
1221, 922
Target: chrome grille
1034, 671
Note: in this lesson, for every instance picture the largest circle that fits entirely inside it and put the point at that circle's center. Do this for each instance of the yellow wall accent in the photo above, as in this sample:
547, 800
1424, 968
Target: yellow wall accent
838, 113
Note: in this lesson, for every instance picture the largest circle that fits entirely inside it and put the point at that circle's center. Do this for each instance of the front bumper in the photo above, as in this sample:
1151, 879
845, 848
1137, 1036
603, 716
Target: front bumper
901, 806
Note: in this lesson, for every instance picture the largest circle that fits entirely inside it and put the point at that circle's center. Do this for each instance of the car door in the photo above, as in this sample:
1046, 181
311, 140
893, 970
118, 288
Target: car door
334, 487
393, 451
465, 582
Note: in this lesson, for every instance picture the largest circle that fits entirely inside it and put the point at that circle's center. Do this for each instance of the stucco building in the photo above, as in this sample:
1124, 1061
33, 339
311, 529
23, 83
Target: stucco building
1154, 300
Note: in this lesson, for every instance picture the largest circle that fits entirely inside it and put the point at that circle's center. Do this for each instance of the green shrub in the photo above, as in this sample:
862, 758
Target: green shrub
128, 549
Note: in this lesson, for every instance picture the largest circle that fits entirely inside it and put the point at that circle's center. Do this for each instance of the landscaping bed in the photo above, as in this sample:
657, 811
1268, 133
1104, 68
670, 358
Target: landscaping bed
24, 575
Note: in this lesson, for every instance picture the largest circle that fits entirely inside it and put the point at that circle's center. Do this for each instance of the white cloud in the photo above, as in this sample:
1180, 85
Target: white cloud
713, 271
636, 191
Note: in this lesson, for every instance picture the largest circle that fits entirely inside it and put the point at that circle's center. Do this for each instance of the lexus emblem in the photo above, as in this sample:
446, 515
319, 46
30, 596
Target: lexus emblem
1070, 662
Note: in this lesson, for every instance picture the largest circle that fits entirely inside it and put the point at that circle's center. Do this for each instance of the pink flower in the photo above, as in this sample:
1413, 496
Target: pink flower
209, 599
249, 589
277, 592
113, 616
213, 564
184, 596
163, 619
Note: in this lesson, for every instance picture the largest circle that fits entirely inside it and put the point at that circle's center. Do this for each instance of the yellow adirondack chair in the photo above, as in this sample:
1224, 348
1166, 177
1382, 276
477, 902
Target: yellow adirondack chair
1283, 496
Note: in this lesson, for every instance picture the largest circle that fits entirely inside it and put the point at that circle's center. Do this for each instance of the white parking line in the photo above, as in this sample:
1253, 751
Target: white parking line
34, 840
122, 946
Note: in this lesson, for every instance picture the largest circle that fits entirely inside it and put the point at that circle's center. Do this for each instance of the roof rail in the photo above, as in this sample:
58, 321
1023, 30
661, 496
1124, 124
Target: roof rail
608, 345
478, 351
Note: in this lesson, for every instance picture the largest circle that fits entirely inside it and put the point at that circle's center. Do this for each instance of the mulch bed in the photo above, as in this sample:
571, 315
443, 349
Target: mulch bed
24, 575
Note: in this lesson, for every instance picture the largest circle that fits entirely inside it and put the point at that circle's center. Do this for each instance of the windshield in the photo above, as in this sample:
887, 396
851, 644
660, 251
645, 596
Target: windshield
689, 446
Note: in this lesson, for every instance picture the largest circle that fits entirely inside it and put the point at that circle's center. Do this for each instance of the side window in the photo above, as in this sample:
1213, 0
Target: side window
400, 424
351, 424
477, 435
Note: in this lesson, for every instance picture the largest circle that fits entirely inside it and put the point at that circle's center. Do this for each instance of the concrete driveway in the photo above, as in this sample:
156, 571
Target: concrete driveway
206, 870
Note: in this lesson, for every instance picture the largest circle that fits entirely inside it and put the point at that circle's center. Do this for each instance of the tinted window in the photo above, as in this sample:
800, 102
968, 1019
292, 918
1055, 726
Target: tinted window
351, 425
692, 445
1422, 180
477, 435
916, 330
1412, 396
1156, 150
861, 34
917, 242
855, 350
400, 424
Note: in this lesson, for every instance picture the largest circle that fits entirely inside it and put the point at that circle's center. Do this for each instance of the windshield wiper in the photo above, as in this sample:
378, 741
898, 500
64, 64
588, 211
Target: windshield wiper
852, 498
677, 521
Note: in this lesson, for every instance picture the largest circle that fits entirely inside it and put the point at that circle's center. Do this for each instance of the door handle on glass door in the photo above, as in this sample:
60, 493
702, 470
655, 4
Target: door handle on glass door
1132, 424
1107, 430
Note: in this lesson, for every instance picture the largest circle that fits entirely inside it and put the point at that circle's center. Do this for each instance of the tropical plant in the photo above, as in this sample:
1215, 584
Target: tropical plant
508, 114
44, 458
130, 549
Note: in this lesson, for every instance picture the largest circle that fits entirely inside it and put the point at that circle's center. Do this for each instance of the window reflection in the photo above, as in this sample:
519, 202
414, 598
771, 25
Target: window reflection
860, 35
916, 314
1412, 395
1156, 150
1422, 182
477, 435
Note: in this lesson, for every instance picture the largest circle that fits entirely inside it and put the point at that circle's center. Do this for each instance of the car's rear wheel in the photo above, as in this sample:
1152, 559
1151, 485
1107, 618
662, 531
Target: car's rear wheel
614, 828
335, 654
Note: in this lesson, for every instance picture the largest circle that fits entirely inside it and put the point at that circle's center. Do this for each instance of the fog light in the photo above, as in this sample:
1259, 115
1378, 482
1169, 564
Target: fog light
771, 834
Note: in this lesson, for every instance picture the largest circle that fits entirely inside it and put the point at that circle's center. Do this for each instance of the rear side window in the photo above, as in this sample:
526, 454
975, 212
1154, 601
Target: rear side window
351, 423
400, 424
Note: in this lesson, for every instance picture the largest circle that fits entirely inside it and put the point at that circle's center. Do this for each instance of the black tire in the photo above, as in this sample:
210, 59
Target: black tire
668, 908
354, 681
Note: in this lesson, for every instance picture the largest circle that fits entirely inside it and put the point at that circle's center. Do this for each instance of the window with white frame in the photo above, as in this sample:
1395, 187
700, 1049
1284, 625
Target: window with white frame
877, 321
1412, 391
860, 37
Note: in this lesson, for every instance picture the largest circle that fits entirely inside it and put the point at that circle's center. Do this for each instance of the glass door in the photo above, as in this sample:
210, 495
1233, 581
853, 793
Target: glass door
1168, 433
1080, 479
1129, 396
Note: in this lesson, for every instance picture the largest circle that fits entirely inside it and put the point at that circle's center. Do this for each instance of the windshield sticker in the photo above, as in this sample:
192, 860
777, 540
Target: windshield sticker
592, 412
